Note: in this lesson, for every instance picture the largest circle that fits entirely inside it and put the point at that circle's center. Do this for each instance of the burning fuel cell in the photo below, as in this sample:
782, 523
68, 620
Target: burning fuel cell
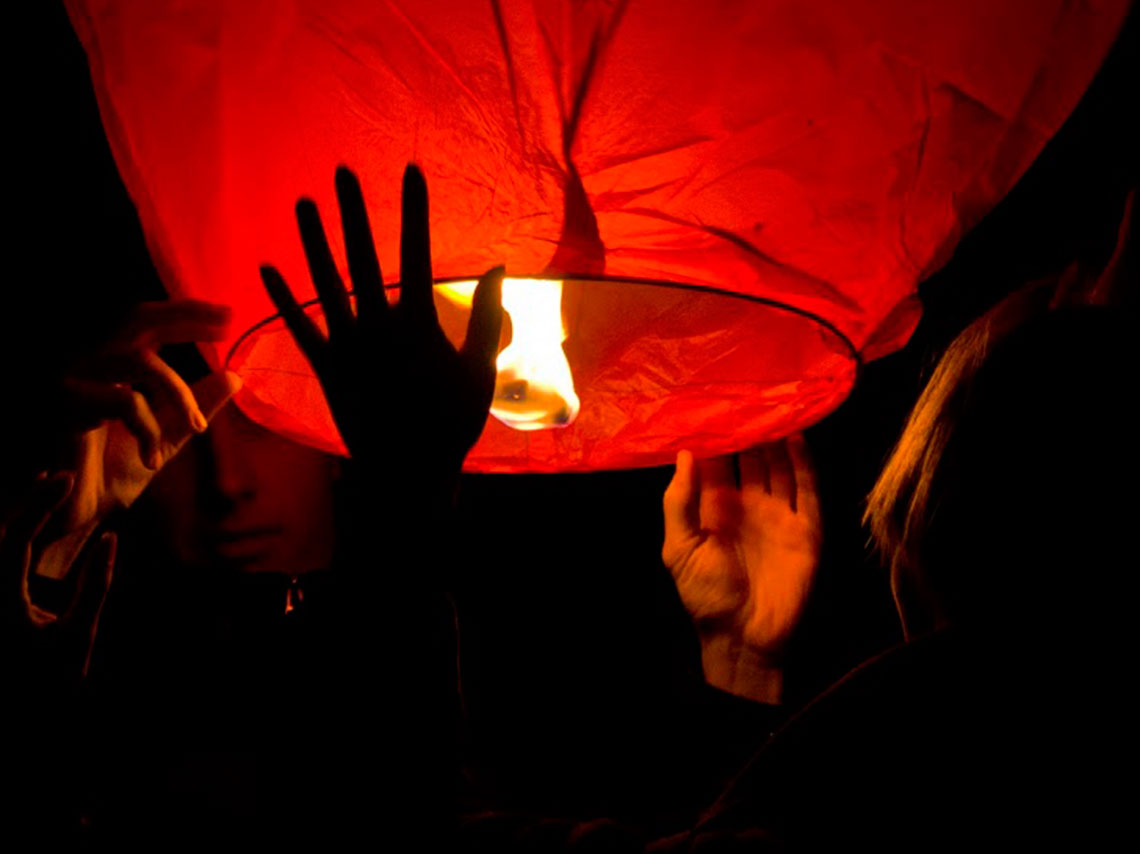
534, 389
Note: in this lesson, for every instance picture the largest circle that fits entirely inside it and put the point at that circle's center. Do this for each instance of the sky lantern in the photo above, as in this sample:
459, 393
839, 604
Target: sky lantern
711, 211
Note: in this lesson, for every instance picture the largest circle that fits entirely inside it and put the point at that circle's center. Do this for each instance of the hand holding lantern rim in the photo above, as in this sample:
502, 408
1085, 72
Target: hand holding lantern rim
121, 413
404, 400
744, 558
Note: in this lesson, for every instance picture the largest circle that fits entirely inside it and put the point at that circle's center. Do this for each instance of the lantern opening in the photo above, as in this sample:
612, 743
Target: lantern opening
534, 389
674, 365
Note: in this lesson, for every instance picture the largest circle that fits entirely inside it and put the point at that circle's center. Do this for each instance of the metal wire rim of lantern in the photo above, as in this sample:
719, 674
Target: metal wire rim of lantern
710, 290
627, 354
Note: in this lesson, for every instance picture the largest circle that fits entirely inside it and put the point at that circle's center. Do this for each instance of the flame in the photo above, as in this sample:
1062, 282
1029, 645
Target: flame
534, 389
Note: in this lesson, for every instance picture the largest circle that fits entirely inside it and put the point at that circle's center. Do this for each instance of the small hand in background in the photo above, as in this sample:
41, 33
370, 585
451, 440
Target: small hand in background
123, 414
744, 558
405, 401
47, 648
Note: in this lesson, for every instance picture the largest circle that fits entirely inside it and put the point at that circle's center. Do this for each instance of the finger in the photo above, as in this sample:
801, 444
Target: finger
322, 267
211, 394
363, 265
304, 331
135, 412
415, 248
164, 382
485, 325
753, 474
101, 401
781, 479
718, 495
177, 322
680, 500
807, 494
91, 592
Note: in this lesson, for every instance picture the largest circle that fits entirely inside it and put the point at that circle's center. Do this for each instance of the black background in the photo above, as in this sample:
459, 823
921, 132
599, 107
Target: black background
572, 633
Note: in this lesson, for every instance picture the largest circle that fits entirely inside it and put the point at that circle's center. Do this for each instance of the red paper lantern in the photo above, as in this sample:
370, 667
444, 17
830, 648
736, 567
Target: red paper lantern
739, 196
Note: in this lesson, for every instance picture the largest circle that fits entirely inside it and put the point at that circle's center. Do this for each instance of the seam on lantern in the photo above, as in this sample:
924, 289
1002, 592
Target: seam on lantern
961, 94
905, 255
508, 57
601, 39
818, 287
603, 164
942, 80
427, 45
337, 41
829, 290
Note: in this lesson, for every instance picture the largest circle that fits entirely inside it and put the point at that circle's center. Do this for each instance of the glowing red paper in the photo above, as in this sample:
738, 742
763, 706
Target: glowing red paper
816, 159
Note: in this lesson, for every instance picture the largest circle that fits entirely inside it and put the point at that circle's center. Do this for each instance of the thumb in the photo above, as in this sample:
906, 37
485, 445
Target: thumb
486, 322
212, 393
680, 502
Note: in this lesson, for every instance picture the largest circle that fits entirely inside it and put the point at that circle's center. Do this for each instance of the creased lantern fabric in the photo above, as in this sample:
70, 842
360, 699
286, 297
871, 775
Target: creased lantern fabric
820, 155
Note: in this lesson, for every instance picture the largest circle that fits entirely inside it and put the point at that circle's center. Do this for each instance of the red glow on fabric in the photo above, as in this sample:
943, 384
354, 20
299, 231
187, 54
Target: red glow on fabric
818, 159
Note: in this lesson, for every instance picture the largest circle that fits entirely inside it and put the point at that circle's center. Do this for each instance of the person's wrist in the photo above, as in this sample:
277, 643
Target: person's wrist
403, 503
412, 479
734, 666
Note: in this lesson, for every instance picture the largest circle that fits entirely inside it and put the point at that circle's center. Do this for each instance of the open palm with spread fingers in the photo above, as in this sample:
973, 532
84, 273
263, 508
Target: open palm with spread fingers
401, 395
742, 541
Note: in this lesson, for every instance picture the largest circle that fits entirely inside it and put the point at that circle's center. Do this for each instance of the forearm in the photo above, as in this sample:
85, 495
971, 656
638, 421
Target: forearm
401, 494
398, 637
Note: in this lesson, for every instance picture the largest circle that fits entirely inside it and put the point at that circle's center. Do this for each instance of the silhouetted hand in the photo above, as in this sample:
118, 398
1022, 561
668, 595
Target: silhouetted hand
124, 414
406, 402
46, 648
744, 558
409, 407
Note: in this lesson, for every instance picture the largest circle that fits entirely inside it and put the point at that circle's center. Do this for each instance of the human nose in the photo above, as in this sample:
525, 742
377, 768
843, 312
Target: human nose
233, 476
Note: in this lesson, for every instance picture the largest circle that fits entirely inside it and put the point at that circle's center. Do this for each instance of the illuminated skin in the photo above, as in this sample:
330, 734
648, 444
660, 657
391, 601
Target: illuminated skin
243, 498
744, 556
55, 647
123, 414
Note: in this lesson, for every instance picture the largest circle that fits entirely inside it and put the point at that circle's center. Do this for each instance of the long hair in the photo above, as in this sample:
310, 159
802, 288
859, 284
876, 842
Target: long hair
1016, 465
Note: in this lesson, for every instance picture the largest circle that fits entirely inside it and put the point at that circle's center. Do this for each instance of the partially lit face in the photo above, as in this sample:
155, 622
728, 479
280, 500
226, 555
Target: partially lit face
243, 498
